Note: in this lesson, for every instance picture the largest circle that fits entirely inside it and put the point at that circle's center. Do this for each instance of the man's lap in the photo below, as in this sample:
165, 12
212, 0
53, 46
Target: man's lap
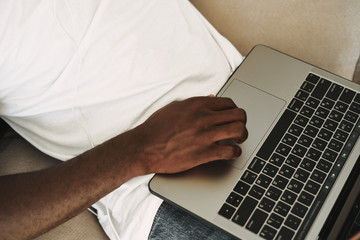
172, 222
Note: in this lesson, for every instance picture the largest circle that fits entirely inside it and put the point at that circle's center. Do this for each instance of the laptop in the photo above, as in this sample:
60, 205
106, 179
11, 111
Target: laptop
300, 164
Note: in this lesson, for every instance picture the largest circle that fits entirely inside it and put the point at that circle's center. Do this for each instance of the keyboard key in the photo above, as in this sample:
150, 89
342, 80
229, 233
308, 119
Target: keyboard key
283, 149
286, 171
301, 95
280, 182
357, 98
305, 140
282, 208
307, 164
268, 233
307, 111
351, 116
327, 103
293, 222
299, 150
322, 112
341, 135
325, 134
330, 155
312, 187
355, 107
299, 210
248, 177
275, 220
319, 144
335, 145
234, 199
295, 185
330, 125
324, 165
308, 87
244, 211
226, 211
301, 120
336, 115
263, 180
256, 165
293, 160
306, 198
289, 139
316, 121
266, 204
301, 175
270, 170
277, 159
256, 192
347, 95
256, 221
242, 188
313, 154
288, 197
318, 176
273, 193
334, 91
321, 88
295, 130
285, 233
296, 105
341, 107
346, 126
276, 135
312, 102
311, 131
313, 78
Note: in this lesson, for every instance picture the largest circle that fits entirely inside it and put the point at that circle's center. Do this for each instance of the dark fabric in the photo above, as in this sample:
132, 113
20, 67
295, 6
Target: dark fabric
173, 223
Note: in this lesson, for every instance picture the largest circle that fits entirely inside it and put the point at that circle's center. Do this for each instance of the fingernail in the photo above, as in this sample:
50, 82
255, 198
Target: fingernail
237, 152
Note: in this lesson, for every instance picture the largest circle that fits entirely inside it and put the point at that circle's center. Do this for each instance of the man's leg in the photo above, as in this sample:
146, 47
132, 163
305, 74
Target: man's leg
173, 223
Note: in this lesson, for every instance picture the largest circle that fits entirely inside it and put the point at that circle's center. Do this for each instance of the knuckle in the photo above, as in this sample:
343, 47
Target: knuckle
240, 113
227, 99
238, 127
228, 152
243, 133
229, 102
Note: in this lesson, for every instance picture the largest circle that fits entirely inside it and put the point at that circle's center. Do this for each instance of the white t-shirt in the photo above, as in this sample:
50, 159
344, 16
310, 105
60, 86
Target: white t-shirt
74, 73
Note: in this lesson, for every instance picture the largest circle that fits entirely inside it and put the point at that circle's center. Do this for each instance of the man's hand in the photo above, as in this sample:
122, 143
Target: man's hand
175, 138
185, 134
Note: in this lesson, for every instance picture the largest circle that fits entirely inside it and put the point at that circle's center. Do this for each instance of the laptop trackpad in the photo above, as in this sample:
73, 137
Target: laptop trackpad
261, 110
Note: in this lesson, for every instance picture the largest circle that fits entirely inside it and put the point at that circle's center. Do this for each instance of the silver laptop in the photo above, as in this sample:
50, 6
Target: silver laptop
301, 153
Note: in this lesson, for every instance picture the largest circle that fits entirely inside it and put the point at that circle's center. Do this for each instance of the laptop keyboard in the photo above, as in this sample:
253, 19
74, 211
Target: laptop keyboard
282, 190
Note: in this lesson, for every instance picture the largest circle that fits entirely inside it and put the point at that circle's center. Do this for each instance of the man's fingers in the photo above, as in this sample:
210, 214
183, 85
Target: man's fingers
234, 130
227, 116
222, 152
215, 103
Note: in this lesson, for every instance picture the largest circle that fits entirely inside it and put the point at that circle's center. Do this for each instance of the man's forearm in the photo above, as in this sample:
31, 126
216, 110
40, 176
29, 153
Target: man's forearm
35, 202
180, 136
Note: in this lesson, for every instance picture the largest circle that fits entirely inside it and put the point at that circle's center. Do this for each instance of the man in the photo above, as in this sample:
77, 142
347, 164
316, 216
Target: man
94, 83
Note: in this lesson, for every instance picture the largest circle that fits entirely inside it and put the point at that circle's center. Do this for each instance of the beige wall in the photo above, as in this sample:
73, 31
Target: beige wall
325, 33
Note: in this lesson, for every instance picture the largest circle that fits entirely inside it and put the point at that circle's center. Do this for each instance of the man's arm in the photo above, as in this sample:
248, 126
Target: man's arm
175, 138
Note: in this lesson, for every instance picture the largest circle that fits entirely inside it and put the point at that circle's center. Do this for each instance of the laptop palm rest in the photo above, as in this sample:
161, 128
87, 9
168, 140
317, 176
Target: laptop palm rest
261, 109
